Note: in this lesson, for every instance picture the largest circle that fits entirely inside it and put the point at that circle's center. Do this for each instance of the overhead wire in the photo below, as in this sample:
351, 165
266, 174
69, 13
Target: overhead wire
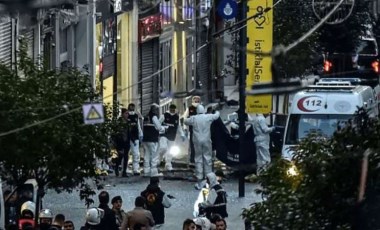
286, 49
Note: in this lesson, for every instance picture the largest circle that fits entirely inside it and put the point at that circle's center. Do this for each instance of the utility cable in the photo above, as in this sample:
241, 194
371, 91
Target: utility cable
180, 60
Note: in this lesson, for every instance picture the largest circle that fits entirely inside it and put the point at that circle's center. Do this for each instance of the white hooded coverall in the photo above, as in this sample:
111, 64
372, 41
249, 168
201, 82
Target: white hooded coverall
151, 157
262, 140
202, 140
164, 144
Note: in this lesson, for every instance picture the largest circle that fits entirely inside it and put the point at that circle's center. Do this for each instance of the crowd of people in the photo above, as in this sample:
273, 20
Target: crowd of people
157, 133
148, 213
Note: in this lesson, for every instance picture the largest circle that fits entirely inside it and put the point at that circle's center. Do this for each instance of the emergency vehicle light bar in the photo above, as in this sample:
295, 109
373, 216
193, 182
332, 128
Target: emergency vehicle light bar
334, 83
331, 87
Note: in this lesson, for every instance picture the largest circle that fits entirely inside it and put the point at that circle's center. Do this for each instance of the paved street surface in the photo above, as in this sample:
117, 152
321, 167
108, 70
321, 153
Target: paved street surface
74, 209
176, 184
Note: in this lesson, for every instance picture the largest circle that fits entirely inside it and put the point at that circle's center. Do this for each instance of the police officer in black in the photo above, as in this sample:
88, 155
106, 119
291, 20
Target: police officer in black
156, 201
152, 128
121, 142
136, 136
171, 121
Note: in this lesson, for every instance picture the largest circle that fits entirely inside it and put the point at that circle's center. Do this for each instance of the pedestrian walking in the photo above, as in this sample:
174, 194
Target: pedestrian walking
167, 139
152, 127
94, 217
108, 222
136, 137
216, 201
262, 140
156, 201
202, 142
117, 202
191, 111
139, 215
120, 142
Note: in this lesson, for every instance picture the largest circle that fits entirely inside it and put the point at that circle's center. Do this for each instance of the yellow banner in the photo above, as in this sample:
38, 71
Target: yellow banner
260, 35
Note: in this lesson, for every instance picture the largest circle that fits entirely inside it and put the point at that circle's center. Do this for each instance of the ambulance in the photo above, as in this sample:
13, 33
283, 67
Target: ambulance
324, 108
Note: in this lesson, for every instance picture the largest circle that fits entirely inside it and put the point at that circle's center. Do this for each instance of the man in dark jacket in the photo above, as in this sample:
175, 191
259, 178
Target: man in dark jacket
121, 143
156, 201
108, 222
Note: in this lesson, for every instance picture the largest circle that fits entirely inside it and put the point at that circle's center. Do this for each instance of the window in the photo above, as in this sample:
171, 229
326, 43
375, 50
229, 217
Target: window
166, 8
301, 125
63, 40
165, 66
367, 47
190, 65
188, 9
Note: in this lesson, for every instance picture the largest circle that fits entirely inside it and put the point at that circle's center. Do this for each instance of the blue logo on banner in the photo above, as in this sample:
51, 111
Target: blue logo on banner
227, 9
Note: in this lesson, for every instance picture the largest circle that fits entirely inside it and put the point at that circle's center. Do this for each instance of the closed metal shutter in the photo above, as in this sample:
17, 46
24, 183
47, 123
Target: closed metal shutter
29, 39
203, 68
6, 43
148, 65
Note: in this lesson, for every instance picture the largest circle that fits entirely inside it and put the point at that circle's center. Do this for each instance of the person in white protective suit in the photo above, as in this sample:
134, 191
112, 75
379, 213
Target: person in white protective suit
191, 111
204, 224
170, 120
202, 142
152, 128
262, 140
135, 135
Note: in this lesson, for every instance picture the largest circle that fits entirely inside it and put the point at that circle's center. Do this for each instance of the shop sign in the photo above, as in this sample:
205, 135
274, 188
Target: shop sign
150, 27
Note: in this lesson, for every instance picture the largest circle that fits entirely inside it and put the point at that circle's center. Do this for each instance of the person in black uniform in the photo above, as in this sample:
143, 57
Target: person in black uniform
152, 128
167, 139
156, 202
121, 141
191, 111
136, 135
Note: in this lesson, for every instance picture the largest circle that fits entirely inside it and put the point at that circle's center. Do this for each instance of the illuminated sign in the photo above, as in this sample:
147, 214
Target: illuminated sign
188, 10
150, 27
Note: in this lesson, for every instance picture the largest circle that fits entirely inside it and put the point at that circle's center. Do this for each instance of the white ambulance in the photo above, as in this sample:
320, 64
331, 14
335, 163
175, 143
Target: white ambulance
324, 108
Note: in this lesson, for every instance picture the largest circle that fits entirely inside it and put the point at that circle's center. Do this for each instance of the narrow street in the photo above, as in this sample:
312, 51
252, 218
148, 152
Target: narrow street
128, 188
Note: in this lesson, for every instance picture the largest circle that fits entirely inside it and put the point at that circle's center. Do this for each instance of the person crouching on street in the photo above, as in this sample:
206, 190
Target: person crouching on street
216, 202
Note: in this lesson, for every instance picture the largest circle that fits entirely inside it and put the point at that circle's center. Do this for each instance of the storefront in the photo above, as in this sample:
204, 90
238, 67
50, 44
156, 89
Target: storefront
149, 32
